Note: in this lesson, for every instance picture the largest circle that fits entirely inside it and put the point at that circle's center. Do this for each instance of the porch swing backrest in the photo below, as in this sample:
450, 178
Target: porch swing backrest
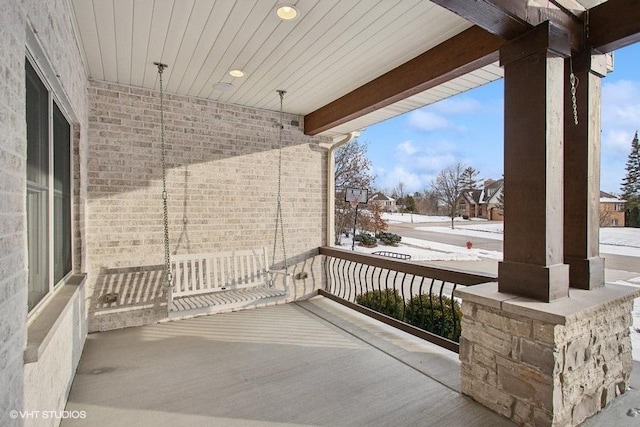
195, 274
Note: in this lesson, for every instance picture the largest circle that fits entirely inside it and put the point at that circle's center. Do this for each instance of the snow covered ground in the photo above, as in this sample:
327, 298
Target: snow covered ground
613, 240
396, 218
423, 250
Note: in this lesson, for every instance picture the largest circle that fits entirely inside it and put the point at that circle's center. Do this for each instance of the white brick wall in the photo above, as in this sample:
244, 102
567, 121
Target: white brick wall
13, 269
51, 21
222, 181
48, 381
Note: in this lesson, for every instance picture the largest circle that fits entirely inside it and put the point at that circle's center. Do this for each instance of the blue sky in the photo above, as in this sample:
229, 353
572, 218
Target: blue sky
414, 147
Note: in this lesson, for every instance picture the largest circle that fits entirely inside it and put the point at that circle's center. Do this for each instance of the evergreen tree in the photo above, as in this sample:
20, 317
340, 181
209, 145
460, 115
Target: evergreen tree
410, 204
631, 185
501, 198
469, 179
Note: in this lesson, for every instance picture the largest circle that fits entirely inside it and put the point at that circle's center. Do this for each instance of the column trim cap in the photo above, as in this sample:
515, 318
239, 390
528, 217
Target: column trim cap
547, 38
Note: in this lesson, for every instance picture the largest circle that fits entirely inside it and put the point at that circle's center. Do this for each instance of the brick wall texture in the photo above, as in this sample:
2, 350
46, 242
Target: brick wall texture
222, 179
52, 25
13, 268
543, 374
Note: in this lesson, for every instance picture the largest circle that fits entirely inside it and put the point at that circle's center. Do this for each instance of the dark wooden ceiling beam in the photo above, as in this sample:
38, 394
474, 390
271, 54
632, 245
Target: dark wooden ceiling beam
512, 18
472, 49
614, 24
604, 28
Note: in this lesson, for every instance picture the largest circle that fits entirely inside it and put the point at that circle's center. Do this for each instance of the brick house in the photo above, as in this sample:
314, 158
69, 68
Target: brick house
611, 210
482, 203
82, 181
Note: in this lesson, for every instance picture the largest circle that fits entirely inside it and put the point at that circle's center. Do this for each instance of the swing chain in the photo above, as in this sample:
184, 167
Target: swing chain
573, 80
165, 211
279, 221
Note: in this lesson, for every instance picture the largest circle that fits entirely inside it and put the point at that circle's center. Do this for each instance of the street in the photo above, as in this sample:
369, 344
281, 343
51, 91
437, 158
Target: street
617, 267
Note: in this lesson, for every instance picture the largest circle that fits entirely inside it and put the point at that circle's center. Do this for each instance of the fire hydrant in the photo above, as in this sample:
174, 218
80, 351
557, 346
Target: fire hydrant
469, 244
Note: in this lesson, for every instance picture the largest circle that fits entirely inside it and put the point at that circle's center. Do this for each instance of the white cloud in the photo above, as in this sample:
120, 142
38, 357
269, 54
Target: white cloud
434, 163
413, 181
457, 105
435, 117
618, 141
407, 148
415, 164
428, 121
621, 104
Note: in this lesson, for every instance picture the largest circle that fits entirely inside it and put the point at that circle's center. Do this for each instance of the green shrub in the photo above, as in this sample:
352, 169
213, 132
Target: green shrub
427, 313
390, 239
366, 240
387, 301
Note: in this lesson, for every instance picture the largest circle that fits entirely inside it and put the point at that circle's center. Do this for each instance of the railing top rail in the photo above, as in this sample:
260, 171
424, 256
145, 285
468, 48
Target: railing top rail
409, 267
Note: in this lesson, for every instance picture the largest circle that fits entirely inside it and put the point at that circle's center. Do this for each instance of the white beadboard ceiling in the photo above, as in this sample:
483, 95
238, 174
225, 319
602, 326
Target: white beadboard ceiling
332, 48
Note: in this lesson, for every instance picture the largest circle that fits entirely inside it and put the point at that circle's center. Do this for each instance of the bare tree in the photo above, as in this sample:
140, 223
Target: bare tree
447, 186
427, 202
353, 167
398, 194
606, 214
352, 170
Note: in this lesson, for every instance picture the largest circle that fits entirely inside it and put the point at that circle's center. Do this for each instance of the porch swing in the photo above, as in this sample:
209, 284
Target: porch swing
207, 283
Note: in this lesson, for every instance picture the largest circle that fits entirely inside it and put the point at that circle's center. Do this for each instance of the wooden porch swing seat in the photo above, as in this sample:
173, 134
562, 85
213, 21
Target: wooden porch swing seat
207, 283
210, 283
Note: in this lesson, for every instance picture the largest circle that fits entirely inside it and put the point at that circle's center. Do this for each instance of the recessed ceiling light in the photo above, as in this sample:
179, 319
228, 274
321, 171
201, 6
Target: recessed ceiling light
223, 87
237, 73
286, 12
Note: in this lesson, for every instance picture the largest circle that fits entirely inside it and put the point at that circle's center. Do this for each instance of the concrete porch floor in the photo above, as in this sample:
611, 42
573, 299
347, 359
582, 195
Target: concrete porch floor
308, 363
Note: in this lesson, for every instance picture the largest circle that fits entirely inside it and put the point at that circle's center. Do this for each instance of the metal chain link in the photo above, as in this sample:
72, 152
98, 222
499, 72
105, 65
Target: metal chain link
573, 80
165, 211
279, 221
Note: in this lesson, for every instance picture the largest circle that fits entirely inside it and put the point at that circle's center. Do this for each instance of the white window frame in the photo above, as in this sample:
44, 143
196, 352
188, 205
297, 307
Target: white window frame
62, 106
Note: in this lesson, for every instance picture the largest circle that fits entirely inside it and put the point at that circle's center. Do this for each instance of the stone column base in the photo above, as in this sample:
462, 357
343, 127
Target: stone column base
546, 364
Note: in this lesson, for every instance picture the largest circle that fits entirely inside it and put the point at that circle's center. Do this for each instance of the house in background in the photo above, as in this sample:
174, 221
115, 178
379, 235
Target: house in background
386, 203
611, 210
469, 203
482, 203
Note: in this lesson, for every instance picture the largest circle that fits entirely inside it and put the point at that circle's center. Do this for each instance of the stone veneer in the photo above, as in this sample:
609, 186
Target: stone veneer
546, 364
222, 177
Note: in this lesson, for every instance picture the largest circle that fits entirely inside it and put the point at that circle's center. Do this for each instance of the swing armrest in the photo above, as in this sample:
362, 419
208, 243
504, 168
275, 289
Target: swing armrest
280, 272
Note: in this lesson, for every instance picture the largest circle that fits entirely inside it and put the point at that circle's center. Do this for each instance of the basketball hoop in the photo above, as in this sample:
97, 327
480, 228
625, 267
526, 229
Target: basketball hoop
354, 202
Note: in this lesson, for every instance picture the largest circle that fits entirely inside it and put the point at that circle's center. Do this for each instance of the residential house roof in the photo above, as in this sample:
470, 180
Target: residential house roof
609, 198
381, 197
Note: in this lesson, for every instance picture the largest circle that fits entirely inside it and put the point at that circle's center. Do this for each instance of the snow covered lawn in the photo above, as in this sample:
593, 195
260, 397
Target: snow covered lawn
423, 250
396, 218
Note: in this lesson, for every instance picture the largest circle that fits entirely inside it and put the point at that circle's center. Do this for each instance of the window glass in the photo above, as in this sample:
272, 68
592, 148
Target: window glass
48, 190
62, 195
37, 101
